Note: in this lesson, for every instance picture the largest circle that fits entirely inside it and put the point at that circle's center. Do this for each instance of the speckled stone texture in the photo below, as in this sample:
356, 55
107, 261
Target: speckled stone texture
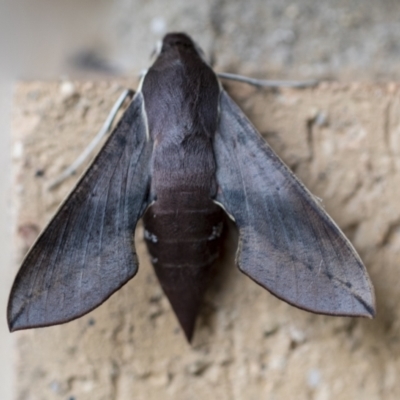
343, 141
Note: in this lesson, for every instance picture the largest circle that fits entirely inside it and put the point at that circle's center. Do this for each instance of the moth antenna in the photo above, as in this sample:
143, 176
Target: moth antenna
105, 129
268, 83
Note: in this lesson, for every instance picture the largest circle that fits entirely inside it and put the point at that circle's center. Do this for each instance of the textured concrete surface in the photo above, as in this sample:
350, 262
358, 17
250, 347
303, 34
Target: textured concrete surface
339, 39
343, 142
345, 39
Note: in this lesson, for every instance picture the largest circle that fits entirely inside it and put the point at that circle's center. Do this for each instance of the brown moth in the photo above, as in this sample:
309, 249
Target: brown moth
182, 155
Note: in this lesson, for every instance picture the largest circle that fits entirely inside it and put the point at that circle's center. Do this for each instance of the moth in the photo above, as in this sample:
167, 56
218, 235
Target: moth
181, 157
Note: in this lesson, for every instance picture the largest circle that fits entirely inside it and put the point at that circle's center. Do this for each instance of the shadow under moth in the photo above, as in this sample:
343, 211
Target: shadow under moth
182, 155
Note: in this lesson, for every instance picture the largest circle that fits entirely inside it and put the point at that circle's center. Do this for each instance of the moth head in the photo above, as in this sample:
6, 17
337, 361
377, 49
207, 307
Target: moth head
180, 42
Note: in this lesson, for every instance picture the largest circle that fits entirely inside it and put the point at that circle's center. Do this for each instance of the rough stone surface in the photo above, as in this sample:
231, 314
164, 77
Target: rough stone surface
343, 141
339, 39
332, 39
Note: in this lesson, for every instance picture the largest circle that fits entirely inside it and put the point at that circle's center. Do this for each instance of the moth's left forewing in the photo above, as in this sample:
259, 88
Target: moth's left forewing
287, 242
87, 250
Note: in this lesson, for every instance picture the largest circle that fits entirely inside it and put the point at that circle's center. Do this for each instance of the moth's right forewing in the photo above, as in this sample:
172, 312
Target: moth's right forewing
87, 250
287, 242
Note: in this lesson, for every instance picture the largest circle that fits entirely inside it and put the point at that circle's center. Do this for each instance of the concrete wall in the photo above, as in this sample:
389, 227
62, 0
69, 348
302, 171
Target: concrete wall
342, 141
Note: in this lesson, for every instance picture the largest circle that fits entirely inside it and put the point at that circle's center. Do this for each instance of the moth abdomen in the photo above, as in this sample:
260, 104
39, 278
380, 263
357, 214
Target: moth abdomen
184, 243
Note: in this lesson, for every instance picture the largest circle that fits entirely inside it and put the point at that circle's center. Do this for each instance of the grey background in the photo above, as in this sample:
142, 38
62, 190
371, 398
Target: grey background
40, 39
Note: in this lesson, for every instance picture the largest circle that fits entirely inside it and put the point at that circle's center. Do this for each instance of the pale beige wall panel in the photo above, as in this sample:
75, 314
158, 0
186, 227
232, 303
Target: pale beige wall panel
343, 142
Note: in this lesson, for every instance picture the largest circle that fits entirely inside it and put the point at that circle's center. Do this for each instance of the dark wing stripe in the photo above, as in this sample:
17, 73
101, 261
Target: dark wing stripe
288, 244
313, 283
53, 266
84, 279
